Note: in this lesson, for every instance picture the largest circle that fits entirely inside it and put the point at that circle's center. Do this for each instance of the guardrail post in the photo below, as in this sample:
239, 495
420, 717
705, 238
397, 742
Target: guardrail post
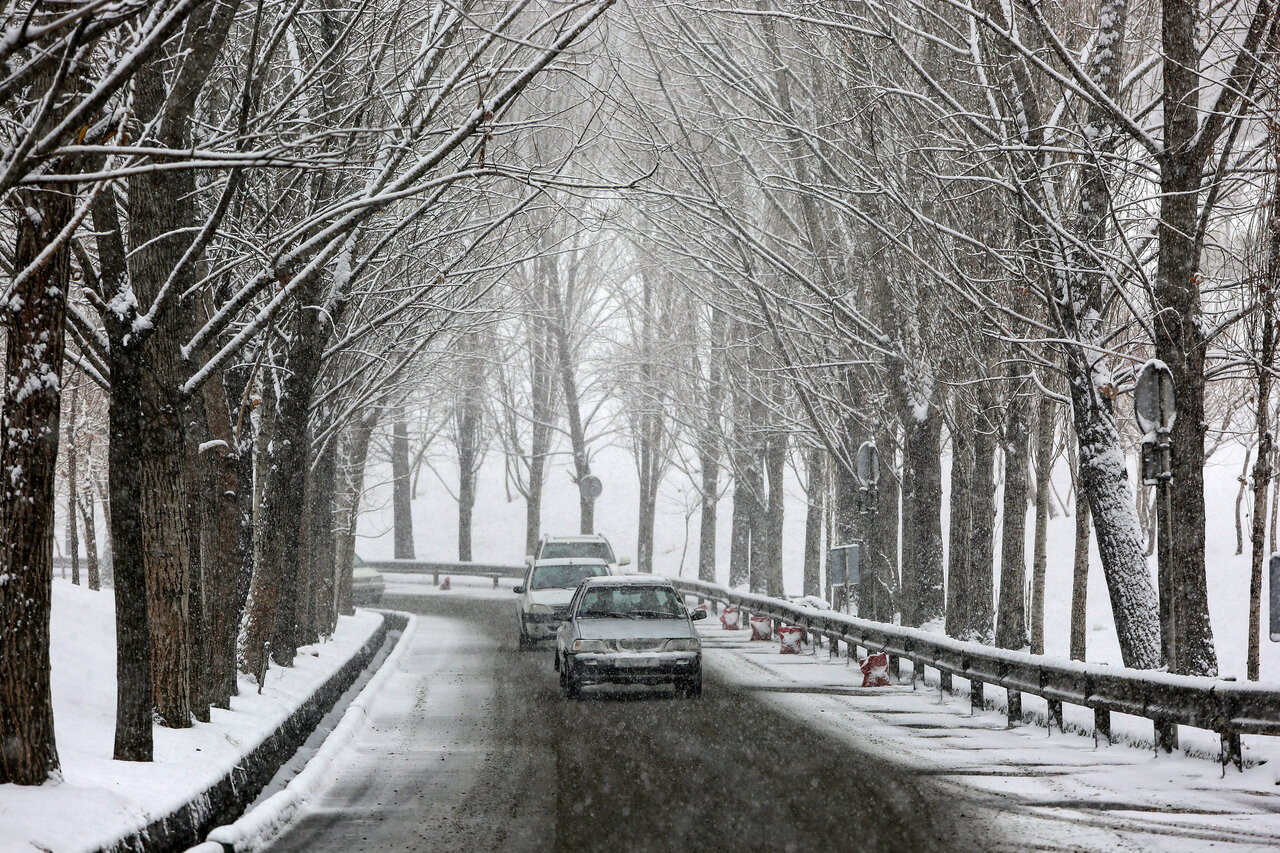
895, 668
1014, 707
1231, 753
1101, 725
495, 581
1055, 714
435, 578
975, 695
1166, 735
944, 680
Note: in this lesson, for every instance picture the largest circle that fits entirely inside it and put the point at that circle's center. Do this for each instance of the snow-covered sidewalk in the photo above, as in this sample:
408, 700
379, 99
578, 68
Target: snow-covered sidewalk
1060, 791
100, 800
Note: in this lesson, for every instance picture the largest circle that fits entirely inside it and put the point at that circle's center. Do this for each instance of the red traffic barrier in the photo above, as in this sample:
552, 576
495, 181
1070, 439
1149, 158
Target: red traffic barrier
729, 618
761, 628
791, 638
875, 670
444, 584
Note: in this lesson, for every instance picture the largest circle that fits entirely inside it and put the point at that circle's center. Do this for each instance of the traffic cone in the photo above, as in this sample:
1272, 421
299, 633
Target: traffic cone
445, 585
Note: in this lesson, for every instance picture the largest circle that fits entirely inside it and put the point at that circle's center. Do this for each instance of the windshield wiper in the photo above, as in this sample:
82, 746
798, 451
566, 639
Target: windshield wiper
653, 614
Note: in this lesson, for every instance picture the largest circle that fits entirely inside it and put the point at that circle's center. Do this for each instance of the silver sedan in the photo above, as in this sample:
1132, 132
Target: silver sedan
629, 630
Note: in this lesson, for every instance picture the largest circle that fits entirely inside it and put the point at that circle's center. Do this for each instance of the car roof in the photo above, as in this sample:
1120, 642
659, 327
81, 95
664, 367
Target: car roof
571, 561
576, 537
628, 580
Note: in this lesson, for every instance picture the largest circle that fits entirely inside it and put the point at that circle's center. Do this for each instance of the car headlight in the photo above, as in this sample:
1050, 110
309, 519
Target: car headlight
688, 644
541, 608
590, 646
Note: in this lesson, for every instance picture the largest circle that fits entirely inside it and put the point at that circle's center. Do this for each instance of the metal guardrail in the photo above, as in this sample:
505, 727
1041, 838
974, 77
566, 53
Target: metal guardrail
437, 568
1226, 707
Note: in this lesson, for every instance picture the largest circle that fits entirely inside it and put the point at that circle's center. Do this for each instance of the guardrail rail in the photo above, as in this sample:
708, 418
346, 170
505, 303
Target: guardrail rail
436, 568
1228, 708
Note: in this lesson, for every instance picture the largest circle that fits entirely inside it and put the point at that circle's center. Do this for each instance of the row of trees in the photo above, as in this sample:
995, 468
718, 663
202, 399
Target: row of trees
245, 224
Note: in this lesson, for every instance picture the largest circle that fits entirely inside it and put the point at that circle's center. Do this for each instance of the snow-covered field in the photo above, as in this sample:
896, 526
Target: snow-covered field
99, 800
499, 537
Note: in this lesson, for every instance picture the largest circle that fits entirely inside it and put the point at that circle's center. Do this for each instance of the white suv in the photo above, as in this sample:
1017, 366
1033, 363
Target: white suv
587, 545
548, 587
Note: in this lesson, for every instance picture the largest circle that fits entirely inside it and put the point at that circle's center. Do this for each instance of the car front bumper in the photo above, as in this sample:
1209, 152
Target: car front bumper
540, 626
635, 668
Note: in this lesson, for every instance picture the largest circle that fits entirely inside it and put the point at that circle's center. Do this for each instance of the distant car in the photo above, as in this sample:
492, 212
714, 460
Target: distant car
629, 630
367, 585
548, 586
590, 545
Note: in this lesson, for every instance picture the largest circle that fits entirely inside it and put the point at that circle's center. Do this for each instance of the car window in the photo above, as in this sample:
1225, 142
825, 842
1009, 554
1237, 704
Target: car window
635, 602
568, 550
563, 577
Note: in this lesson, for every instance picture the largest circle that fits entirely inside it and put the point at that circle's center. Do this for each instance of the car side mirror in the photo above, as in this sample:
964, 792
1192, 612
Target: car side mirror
698, 614
528, 559
625, 561
519, 590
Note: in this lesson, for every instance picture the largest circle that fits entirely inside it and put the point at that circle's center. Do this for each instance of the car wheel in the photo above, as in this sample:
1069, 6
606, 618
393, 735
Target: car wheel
569, 686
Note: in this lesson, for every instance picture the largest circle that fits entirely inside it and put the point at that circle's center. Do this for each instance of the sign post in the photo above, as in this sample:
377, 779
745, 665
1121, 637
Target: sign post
1153, 407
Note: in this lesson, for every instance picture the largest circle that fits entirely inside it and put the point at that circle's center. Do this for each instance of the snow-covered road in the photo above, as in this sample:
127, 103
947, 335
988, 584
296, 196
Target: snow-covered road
470, 747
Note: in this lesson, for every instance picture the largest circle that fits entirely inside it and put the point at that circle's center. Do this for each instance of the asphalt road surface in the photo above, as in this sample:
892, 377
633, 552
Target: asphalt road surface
472, 748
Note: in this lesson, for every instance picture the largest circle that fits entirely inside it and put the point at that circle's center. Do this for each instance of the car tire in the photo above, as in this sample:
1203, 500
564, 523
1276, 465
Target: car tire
569, 686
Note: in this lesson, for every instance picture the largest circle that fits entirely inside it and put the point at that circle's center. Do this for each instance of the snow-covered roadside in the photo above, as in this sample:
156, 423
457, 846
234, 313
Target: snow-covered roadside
100, 800
256, 828
1056, 788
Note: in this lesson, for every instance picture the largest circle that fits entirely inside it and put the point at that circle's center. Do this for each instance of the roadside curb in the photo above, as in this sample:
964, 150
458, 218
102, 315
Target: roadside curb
228, 797
254, 830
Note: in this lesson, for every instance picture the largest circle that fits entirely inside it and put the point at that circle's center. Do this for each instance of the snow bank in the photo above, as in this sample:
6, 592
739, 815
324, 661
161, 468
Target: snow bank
101, 800
258, 827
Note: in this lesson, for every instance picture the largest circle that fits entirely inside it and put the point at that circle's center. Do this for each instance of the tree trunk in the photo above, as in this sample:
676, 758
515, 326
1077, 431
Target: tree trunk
34, 351
87, 503
775, 461
924, 600
73, 534
1179, 338
710, 437
1080, 578
402, 509
322, 544
1262, 474
1011, 626
355, 454
744, 513
543, 394
816, 470
983, 513
133, 739
1040, 560
959, 594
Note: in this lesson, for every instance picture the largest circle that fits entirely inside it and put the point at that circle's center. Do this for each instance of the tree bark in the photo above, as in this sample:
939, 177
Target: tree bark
1011, 626
355, 454
1040, 560
816, 470
775, 461
1080, 578
402, 508
73, 534
710, 438
34, 351
924, 600
983, 513
960, 522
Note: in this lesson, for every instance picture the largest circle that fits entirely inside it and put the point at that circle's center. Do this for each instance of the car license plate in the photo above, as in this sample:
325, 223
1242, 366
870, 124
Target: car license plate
636, 662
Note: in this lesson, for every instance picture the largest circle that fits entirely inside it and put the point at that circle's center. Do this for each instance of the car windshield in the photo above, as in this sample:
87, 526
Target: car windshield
564, 577
567, 550
630, 602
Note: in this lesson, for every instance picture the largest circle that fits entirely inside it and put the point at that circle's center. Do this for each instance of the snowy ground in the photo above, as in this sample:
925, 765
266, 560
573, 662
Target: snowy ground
499, 537
1061, 791
100, 800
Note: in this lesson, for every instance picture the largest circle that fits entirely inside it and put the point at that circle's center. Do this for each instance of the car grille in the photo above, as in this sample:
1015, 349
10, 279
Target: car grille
639, 645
